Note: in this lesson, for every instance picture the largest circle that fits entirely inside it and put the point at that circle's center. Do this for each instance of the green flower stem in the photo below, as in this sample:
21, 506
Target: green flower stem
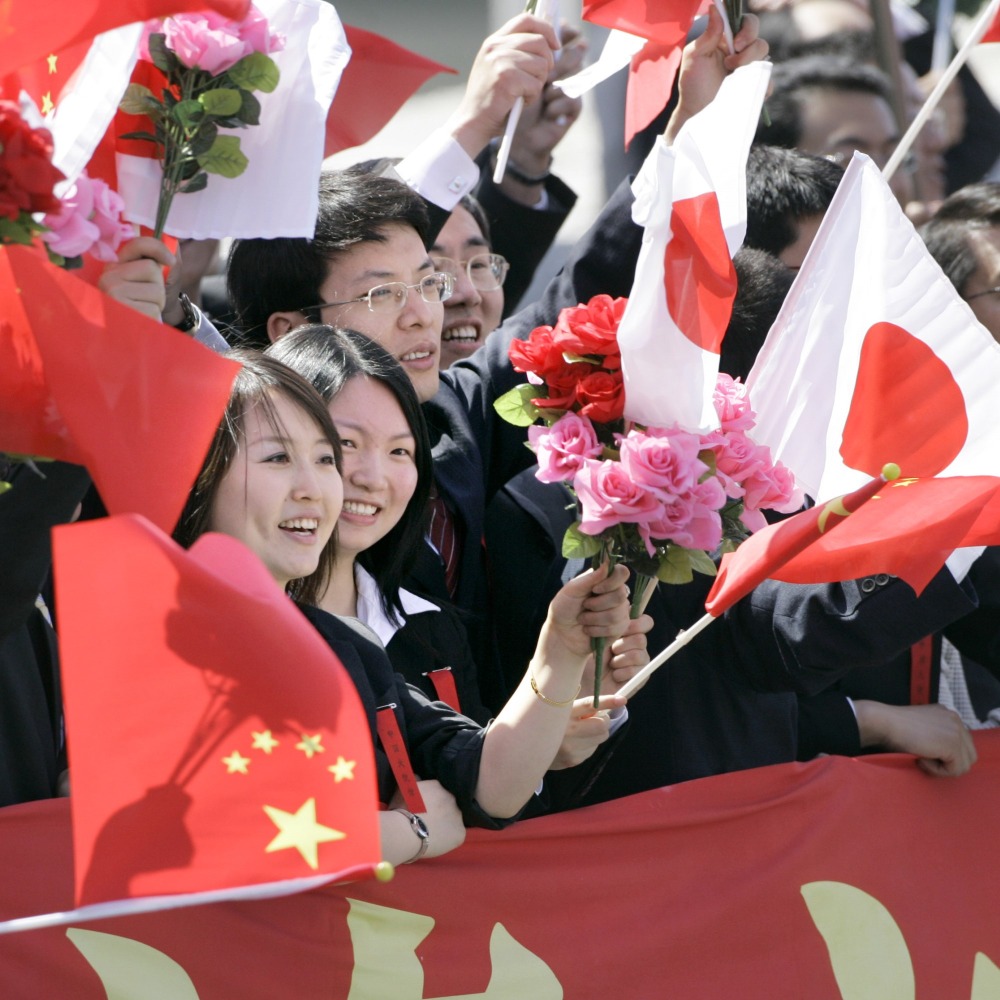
640, 588
608, 554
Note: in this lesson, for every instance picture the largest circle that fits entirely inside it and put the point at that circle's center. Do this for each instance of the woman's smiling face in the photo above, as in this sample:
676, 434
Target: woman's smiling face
282, 494
380, 474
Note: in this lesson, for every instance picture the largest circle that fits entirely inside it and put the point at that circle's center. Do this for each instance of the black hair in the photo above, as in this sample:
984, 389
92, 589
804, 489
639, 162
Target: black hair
785, 186
329, 357
946, 233
266, 276
258, 377
762, 282
793, 82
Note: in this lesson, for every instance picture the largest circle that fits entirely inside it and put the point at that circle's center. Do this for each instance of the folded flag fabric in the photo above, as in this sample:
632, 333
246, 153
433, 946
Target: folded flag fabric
691, 200
88, 380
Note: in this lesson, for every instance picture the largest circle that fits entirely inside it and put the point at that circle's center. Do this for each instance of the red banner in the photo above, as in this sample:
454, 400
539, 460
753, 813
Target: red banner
839, 878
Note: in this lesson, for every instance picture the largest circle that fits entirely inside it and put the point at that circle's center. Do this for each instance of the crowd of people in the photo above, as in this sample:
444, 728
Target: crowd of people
361, 457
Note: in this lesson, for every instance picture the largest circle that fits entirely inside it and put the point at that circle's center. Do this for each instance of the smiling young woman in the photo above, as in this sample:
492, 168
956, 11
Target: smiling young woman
272, 480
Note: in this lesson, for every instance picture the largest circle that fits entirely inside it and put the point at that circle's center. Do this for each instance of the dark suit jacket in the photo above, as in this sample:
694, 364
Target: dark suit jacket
475, 452
442, 744
32, 754
727, 701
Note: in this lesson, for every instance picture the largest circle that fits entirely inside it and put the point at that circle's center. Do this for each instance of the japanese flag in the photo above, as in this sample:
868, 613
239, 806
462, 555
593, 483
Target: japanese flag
691, 199
874, 357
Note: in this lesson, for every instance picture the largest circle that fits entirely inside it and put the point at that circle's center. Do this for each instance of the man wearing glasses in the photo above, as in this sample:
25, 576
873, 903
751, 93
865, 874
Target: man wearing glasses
964, 238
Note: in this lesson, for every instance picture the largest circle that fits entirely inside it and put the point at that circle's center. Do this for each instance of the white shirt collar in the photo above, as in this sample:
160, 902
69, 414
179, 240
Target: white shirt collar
371, 612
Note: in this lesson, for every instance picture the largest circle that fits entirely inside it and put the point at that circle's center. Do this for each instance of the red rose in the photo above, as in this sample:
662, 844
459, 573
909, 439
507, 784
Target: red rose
27, 175
601, 396
591, 328
538, 354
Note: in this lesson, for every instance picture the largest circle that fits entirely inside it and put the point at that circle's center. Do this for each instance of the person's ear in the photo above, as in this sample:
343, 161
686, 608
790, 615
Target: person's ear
280, 323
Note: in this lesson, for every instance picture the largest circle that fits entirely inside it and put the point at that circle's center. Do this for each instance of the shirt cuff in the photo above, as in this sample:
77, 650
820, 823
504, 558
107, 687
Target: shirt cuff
439, 170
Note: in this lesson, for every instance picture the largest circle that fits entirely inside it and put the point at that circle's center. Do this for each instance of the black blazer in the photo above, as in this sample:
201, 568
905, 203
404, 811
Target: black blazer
442, 744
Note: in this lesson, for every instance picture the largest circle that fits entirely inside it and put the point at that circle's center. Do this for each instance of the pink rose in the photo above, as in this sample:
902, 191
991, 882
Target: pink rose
771, 487
665, 462
213, 43
691, 521
89, 221
737, 459
562, 448
732, 404
608, 497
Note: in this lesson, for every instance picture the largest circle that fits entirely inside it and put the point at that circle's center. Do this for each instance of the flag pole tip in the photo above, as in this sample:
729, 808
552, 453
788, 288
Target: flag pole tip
384, 871
890, 471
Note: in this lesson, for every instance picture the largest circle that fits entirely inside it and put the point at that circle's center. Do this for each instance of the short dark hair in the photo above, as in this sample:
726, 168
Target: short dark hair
793, 81
762, 282
785, 186
285, 274
946, 233
329, 358
258, 376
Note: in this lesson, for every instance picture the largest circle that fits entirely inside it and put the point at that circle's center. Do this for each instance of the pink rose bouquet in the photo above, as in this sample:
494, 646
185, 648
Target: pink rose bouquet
211, 68
663, 500
88, 221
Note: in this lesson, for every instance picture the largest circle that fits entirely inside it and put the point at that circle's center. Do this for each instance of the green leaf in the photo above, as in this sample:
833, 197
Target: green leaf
15, 231
516, 407
676, 567
225, 158
160, 56
249, 113
203, 139
145, 136
577, 545
222, 102
139, 100
701, 562
255, 72
188, 113
197, 183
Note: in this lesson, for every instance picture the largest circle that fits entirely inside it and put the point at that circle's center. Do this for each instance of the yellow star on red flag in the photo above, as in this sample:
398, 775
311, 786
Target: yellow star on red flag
263, 741
343, 770
301, 831
51, 59
310, 745
236, 763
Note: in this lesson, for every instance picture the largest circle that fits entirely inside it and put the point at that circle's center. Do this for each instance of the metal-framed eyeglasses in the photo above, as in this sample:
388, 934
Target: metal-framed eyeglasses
391, 296
487, 271
985, 291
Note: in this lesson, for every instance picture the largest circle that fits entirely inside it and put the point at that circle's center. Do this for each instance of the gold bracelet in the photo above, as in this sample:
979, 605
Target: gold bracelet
549, 701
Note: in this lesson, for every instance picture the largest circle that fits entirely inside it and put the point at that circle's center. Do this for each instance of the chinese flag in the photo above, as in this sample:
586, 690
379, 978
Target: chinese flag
33, 29
377, 81
767, 552
88, 380
217, 743
907, 528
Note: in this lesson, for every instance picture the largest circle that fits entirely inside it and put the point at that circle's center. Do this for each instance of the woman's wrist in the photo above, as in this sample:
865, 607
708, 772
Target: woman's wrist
420, 831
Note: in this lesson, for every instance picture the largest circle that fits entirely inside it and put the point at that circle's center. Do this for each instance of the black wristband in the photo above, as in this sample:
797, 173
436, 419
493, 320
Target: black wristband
519, 175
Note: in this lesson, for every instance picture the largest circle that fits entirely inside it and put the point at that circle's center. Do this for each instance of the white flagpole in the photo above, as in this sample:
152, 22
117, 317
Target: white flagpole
961, 57
683, 638
549, 13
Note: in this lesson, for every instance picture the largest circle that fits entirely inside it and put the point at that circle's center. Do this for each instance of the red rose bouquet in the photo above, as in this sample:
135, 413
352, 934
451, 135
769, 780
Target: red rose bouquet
661, 500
